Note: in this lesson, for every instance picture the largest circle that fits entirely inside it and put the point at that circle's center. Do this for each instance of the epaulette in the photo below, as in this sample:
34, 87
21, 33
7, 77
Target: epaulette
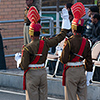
43, 38
25, 48
71, 37
50, 38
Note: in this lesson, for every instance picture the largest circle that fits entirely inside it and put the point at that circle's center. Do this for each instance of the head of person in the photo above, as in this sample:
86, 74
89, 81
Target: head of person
34, 30
93, 10
95, 18
29, 3
68, 6
77, 26
78, 11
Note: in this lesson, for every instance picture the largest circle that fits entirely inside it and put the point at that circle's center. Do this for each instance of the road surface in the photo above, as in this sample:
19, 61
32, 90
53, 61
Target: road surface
8, 94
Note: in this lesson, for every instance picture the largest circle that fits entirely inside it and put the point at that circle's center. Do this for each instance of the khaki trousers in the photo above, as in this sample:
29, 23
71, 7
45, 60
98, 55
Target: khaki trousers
36, 84
75, 84
27, 38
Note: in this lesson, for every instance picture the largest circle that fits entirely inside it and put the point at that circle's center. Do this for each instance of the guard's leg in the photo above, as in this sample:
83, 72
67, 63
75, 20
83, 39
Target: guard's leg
71, 85
43, 86
32, 84
82, 87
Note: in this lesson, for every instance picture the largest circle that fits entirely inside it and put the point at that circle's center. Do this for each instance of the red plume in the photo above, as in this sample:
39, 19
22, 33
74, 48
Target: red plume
33, 15
78, 10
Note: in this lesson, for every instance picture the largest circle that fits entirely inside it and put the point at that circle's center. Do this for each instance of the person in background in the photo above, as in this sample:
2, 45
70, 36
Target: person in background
34, 56
88, 25
29, 3
75, 50
68, 6
95, 36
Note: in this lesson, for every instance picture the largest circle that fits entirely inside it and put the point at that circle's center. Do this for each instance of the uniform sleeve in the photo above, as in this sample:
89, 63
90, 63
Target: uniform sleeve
65, 53
88, 60
58, 38
25, 60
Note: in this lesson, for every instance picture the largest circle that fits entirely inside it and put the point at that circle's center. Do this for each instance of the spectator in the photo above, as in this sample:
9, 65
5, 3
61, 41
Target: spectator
88, 24
95, 36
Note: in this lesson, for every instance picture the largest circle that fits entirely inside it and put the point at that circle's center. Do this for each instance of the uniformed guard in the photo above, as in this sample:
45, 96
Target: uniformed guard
76, 49
34, 56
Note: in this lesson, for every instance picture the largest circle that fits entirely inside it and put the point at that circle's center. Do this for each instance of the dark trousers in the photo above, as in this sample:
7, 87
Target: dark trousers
52, 65
96, 76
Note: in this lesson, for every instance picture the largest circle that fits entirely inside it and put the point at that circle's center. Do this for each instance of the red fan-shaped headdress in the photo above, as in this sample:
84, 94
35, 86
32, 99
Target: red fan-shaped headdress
78, 11
34, 17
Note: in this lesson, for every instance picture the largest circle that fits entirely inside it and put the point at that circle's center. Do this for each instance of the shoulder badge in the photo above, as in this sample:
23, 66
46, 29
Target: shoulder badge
43, 38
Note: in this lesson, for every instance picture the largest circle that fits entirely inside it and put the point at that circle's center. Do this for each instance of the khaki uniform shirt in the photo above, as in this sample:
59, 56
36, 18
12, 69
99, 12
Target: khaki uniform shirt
32, 48
75, 43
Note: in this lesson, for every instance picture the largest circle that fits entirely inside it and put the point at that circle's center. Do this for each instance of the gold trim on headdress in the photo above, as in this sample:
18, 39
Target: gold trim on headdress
74, 27
31, 32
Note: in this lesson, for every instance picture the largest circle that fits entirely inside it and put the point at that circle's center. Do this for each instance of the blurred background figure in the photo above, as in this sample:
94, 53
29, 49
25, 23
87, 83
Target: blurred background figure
88, 25
29, 3
95, 36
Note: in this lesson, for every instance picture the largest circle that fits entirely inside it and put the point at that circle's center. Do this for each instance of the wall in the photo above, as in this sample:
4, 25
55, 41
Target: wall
12, 10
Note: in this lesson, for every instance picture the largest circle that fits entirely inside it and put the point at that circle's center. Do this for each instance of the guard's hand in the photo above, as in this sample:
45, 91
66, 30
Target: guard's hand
64, 13
18, 59
17, 56
89, 77
65, 19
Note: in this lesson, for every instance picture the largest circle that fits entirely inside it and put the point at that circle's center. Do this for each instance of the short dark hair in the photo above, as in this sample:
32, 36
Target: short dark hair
79, 29
36, 33
70, 13
96, 16
94, 9
68, 5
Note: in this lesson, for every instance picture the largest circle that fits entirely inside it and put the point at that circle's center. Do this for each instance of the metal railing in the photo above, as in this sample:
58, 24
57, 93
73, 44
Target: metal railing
43, 20
48, 20
54, 12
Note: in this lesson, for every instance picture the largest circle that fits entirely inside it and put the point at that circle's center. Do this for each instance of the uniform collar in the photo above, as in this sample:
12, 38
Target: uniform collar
77, 35
36, 38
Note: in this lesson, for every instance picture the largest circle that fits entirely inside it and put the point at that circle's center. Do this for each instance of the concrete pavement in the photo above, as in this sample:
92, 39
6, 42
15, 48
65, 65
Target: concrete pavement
13, 78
